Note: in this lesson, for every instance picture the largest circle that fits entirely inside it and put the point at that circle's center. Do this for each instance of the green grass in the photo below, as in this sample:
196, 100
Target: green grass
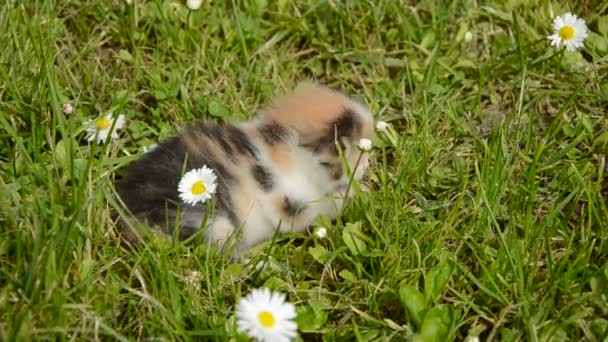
487, 217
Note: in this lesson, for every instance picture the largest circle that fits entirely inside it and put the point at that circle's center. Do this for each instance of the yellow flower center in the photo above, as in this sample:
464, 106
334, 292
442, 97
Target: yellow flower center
198, 188
266, 319
566, 33
103, 123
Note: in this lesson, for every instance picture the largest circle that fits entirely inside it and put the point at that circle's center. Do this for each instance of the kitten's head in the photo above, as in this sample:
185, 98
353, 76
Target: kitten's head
325, 120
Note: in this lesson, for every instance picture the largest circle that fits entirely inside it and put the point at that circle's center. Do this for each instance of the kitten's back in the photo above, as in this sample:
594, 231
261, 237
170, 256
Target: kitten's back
279, 169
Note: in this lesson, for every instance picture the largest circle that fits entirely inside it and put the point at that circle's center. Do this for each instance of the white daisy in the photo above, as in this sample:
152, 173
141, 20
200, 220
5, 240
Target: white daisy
568, 31
266, 316
365, 145
382, 126
194, 4
68, 108
100, 128
197, 185
321, 232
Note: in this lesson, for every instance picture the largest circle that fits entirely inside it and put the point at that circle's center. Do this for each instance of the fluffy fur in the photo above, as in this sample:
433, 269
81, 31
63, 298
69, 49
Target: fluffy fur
278, 171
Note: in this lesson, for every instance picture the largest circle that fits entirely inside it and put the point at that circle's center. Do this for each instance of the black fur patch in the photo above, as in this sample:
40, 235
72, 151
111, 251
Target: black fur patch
263, 177
240, 141
149, 187
273, 133
229, 137
292, 208
217, 134
343, 126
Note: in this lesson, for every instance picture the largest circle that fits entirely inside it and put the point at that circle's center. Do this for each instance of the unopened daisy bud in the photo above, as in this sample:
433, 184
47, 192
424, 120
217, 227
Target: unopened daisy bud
364, 145
321, 232
194, 4
68, 108
468, 36
382, 126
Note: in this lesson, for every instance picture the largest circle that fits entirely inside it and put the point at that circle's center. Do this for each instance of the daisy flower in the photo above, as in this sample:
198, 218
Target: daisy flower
321, 232
197, 185
569, 31
365, 145
194, 4
100, 128
266, 316
382, 126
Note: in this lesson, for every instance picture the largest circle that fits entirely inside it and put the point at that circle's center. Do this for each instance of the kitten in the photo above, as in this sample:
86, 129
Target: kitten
279, 170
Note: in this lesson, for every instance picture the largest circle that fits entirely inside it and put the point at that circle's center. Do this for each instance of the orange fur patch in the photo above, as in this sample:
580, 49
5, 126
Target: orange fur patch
308, 108
279, 154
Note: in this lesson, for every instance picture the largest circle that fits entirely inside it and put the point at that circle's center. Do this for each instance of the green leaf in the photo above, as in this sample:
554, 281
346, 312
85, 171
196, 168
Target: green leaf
353, 238
320, 303
234, 270
125, 56
437, 324
599, 327
309, 319
465, 63
347, 275
428, 39
218, 109
319, 253
437, 278
602, 25
62, 154
597, 42
275, 283
414, 303
87, 267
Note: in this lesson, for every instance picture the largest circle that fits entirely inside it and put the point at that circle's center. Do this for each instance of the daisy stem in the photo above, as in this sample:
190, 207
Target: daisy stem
561, 58
352, 174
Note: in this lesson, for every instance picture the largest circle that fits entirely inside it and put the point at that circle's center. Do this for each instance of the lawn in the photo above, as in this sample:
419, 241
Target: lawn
486, 214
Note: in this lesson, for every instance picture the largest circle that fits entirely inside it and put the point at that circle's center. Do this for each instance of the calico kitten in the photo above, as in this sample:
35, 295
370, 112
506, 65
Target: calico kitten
279, 170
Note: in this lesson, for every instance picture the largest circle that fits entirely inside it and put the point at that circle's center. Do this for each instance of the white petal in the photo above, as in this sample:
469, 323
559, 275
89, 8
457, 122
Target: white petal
321, 232
120, 121
365, 144
194, 4
381, 126
150, 147
555, 40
